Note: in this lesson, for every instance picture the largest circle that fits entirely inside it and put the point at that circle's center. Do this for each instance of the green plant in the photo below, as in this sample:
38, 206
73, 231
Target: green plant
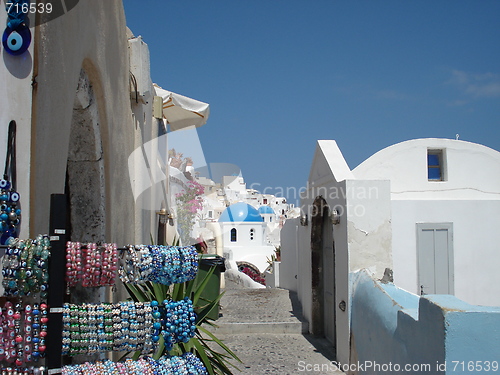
200, 345
276, 257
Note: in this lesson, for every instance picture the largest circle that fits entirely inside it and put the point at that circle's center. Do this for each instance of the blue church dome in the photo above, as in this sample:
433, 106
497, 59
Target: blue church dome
240, 212
265, 210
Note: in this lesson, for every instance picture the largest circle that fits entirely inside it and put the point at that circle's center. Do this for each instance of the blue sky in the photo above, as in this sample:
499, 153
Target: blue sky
281, 74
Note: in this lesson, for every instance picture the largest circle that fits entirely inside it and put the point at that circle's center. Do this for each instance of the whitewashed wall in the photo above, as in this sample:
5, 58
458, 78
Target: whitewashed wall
93, 36
16, 74
470, 199
289, 255
362, 237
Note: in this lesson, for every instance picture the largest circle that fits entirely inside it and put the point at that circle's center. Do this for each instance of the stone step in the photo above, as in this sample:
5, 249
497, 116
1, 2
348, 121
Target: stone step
267, 310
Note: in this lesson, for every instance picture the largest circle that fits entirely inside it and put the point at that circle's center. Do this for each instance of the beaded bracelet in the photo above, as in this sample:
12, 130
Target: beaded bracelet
179, 321
188, 363
19, 340
73, 263
172, 264
10, 334
28, 328
92, 265
25, 267
39, 330
23, 371
125, 326
24, 330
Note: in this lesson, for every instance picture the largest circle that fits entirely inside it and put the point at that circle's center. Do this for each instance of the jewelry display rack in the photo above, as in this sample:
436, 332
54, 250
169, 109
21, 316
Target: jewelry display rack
57, 265
57, 283
55, 297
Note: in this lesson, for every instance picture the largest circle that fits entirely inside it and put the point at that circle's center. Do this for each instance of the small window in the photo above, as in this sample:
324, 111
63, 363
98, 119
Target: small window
435, 165
210, 214
233, 235
264, 201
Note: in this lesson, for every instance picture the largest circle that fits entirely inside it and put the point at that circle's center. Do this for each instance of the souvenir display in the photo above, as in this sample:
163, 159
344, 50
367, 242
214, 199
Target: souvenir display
87, 329
10, 211
126, 326
188, 363
91, 265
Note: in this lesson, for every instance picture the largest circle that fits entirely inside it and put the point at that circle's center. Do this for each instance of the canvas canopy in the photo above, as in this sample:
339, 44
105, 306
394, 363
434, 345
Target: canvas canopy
182, 112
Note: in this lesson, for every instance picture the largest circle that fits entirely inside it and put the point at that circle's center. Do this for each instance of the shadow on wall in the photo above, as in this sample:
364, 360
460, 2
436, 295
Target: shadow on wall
395, 331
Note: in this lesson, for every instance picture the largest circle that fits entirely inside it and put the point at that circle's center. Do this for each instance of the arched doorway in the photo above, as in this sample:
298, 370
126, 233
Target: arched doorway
323, 271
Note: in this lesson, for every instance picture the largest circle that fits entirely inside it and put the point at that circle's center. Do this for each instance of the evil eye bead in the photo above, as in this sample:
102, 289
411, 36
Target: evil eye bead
14, 196
4, 184
16, 41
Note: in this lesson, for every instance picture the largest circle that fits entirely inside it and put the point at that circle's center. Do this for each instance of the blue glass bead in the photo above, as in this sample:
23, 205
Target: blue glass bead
14, 196
16, 40
154, 303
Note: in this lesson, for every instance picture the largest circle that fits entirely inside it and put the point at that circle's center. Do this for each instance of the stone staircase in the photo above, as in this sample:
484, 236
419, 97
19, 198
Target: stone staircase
267, 310
266, 330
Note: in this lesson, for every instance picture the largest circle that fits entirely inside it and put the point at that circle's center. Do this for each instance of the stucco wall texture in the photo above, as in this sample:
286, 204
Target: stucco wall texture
92, 37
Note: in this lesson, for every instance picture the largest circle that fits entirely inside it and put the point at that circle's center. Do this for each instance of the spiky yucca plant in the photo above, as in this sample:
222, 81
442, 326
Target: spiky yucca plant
214, 361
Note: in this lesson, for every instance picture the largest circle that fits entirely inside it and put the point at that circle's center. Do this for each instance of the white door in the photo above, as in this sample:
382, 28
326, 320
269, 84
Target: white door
435, 258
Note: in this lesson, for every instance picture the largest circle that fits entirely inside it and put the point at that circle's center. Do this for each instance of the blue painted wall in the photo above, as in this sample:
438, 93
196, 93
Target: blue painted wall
394, 331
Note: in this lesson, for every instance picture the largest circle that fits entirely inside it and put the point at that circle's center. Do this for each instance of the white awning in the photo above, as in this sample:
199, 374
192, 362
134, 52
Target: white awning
182, 112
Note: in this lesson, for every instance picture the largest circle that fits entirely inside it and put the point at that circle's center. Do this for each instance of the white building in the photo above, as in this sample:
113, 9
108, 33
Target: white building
427, 209
445, 205
244, 236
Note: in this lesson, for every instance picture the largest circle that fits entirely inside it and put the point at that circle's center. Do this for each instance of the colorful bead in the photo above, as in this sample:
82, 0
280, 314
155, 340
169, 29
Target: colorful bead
188, 363
25, 270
